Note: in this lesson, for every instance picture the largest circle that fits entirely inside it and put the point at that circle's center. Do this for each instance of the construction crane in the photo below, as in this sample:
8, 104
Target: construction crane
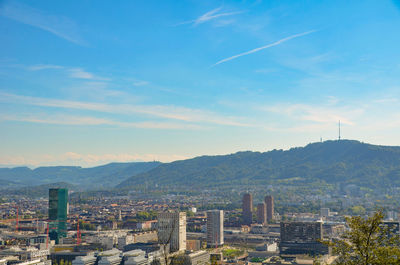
17, 220
78, 234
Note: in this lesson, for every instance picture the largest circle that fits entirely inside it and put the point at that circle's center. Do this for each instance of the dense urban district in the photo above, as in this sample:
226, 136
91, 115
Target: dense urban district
278, 207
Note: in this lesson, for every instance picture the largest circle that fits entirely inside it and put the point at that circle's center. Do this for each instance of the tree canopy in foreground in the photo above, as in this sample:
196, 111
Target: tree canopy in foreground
369, 241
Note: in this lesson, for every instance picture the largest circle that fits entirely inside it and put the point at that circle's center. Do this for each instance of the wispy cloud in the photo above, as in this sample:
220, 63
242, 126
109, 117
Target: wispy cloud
140, 83
80, 73
73, 72
264, 47
94, 121
39, 67
316, 113
210, 15
386, 100
58, 25
160, 111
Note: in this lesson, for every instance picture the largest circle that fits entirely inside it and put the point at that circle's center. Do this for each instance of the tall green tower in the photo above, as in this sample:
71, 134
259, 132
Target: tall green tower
58, 213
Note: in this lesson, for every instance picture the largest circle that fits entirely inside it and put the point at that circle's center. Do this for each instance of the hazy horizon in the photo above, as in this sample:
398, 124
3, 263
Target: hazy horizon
81, 162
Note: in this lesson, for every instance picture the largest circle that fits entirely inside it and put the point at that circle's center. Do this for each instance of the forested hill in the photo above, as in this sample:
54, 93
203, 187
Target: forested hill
105, 176
343, 161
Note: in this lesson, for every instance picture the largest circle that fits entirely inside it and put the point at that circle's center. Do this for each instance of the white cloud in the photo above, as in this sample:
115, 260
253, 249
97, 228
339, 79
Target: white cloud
386, 100
73, 72
39, 67
80, 73
93, 121
318, 114
160, 111
140, 83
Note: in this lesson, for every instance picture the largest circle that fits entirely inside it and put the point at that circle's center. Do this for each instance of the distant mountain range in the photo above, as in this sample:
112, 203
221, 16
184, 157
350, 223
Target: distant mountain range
331, 162
344, 161
39, 190
101, 177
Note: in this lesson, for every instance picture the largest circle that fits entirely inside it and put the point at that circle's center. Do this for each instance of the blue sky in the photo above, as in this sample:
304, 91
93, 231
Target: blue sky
90, 82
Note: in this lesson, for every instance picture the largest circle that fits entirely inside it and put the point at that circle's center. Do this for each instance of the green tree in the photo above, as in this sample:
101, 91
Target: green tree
367, 242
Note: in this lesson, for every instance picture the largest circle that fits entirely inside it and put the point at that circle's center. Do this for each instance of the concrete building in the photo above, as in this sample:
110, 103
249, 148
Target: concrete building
25, 253
215, 228
58, 213
125, 240
269, 201
172, 230
247, 207
200, 257
141, 237
36, 262
152, 251
135, 257
262, 213
110, 257
110, 260
302, 238
325, 212
193, 244
84, 260
259, 229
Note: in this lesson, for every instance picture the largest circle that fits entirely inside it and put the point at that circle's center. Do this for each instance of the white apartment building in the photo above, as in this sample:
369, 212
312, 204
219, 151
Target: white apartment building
215, 228
172, 230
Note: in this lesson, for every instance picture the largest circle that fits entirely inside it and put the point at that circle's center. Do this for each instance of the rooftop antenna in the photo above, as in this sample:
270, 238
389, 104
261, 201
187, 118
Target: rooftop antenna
339, 130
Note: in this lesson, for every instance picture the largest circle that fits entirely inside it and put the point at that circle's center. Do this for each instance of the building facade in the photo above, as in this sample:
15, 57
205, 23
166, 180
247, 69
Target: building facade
269, 201
172, 230
58, 213
302, 238
262, 213
215, 228
247, 207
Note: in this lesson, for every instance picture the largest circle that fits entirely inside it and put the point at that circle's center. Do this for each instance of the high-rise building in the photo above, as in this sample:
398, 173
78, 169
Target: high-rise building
269, 201
58, 213
302, 238
262, 213
247, 207
172, 230
215, 228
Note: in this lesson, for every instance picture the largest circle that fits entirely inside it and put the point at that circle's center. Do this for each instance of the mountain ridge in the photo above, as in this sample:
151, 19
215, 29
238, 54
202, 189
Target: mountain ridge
104, 176
344, 161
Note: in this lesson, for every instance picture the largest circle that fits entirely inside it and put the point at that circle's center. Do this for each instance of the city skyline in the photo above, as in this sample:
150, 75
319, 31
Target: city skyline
84, 84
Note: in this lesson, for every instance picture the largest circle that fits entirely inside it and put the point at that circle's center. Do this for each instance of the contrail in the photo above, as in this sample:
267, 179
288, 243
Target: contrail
264, 47
210, 15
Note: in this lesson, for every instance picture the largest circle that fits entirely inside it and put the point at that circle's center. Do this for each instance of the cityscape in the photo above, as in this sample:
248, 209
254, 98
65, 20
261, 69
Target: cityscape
64, 229
199, 132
